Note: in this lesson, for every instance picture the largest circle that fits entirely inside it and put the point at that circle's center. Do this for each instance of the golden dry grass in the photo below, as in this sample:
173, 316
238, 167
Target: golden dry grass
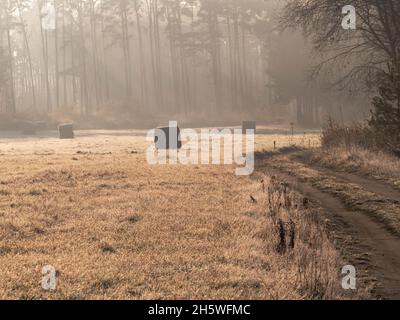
379, 165
116, 228
352, 194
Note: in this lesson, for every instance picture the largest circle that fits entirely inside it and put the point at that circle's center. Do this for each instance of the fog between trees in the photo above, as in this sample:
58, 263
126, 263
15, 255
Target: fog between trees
191, 60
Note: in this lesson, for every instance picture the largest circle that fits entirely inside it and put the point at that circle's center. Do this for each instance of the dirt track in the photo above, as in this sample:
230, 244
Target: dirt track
378, 187
373, 247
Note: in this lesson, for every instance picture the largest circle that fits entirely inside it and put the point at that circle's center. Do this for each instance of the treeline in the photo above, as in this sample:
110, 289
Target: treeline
159, 55
368, 56
155, 58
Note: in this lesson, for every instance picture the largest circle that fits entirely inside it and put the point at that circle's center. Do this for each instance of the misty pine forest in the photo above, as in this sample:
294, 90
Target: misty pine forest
279, 124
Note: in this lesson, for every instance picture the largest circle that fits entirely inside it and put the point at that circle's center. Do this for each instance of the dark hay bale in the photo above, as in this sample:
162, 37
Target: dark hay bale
167, 138
249, 125
66, 131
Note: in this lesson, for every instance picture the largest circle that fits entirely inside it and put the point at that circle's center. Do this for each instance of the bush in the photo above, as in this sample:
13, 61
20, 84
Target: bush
385, 120
357, 134
382, 132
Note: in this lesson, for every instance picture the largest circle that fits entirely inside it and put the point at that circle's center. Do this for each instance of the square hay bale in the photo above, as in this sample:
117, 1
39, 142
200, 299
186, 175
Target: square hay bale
66, 131
172, 138
249, 125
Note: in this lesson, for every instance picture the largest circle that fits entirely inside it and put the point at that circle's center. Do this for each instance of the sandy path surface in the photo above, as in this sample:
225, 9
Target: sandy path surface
383, 247
378, 248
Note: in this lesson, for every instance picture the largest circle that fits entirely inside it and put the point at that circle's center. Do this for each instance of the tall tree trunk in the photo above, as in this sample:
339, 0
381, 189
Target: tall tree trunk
232, 78
105, 65
244, 64
236, 62
29, 56
157, 48
56, 57
64, 56
152, 54
13, 108
43, 35
94, 52
72, 43
143, 76
126, 50
174, 59
83, 72
213, 30
184, 67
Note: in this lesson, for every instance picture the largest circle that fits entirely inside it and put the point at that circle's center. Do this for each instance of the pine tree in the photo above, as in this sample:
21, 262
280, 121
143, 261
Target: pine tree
385, 119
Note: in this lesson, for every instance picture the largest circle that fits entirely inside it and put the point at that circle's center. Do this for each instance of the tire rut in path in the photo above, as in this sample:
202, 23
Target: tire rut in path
384, 260
380, 188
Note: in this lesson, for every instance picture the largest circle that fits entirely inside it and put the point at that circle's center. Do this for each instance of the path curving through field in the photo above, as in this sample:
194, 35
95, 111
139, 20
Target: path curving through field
383, 246
375, 248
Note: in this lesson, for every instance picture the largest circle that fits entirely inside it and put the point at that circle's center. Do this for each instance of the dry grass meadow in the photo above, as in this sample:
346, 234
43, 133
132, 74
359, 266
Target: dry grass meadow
376, 164
115, 227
